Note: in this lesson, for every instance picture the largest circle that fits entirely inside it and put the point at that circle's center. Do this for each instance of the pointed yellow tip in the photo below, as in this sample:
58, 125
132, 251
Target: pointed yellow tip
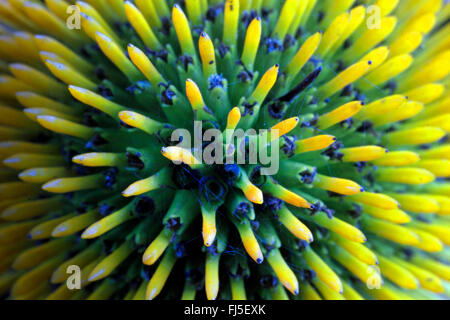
314, 143
131, 48
141, 187
96, 275
363, 154
59, 231
52, 186
91, 232
211, 293
338, 185
194, 95
209, 232
254, 194
297, 201
234, 116
75, 91
208, 238
266, 84
130, 191
155, 250
177, 154
32, 113
292, 287
78, 159
252, 246
149, 259
284, 127
101, 37
46, 119
151, 293
128, 117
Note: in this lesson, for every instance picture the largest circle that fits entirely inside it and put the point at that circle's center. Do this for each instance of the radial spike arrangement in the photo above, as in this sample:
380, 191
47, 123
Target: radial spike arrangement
353, 113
